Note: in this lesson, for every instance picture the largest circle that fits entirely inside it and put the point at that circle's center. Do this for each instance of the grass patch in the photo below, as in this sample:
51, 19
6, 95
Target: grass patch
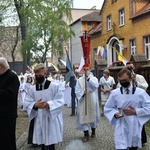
148, 127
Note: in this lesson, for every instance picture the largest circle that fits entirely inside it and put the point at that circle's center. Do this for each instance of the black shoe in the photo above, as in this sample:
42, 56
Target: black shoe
72, 115
102, 114
35, 145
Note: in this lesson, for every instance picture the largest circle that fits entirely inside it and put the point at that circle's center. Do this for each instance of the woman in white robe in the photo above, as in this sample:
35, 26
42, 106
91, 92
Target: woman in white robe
107, 84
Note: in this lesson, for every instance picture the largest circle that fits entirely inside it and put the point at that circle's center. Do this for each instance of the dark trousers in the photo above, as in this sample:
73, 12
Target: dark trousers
8, 133
86, 133
144, 137
30, 132
49, 147
133, 148
73, 96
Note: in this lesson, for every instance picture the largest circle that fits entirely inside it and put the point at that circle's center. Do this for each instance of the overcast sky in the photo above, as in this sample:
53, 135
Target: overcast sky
84, 4
87, 4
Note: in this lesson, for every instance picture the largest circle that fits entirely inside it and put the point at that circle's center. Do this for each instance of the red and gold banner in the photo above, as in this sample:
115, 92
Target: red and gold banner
85, 40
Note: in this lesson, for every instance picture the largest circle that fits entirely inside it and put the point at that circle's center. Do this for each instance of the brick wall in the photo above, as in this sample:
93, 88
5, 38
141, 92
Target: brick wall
133, 28
17, 67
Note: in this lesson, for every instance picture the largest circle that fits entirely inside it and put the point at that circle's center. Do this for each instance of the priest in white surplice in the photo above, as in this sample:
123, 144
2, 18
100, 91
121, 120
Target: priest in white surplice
127, 109
44, 104
88, 105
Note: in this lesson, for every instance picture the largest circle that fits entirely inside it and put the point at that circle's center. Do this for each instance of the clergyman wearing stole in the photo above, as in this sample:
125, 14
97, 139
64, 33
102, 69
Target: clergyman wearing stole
88, 105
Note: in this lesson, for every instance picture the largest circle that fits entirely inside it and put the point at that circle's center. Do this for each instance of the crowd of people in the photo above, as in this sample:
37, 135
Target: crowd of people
42, 95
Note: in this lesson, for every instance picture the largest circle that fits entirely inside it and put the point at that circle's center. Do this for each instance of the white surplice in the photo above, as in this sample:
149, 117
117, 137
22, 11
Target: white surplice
67, 96
128, 128
22, 92
27, 88
48, 123
92, 88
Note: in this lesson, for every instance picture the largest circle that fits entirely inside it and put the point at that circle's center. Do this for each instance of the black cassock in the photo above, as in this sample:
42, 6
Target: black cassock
9, 85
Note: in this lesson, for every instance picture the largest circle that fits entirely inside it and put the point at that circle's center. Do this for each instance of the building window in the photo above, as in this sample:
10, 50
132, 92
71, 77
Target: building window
121, 17
89, 24
147, 46
133, 46
109, 22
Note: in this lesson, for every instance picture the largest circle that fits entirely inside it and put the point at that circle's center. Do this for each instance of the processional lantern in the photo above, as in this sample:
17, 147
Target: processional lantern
86, 102
85, 40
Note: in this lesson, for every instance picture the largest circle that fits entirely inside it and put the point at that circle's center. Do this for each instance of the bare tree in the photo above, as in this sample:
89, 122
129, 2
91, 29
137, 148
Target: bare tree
9, 41
9, 35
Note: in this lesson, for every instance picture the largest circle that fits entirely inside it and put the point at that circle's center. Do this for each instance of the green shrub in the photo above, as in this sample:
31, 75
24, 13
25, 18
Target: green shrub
148, 127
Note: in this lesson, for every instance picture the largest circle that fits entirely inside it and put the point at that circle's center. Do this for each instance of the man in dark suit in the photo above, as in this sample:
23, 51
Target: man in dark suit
71, 78
73, 96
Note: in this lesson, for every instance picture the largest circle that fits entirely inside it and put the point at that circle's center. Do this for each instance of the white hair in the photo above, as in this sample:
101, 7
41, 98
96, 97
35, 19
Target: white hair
4, 62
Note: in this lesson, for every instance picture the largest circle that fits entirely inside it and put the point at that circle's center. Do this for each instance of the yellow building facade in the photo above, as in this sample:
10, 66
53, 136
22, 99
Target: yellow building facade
125, 28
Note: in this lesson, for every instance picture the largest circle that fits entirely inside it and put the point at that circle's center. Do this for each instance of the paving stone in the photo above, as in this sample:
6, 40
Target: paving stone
104, 139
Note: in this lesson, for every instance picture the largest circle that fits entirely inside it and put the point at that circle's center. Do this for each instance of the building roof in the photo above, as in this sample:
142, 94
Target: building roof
138, 58
101, 62
78, 13
102, 7
91, 17
144, 10
96, 29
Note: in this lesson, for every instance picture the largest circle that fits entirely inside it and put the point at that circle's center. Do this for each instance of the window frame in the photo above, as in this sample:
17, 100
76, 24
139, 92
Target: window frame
109, 22
122, 17
133, 46
89, 24
147, 46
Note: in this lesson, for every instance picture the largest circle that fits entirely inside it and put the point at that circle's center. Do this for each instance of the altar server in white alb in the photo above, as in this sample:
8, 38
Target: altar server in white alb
88, 112
44, 104
139, 81
127, 109
22, 91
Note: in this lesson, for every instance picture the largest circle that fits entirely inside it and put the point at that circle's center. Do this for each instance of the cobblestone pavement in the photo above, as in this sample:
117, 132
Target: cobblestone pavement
72, 137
